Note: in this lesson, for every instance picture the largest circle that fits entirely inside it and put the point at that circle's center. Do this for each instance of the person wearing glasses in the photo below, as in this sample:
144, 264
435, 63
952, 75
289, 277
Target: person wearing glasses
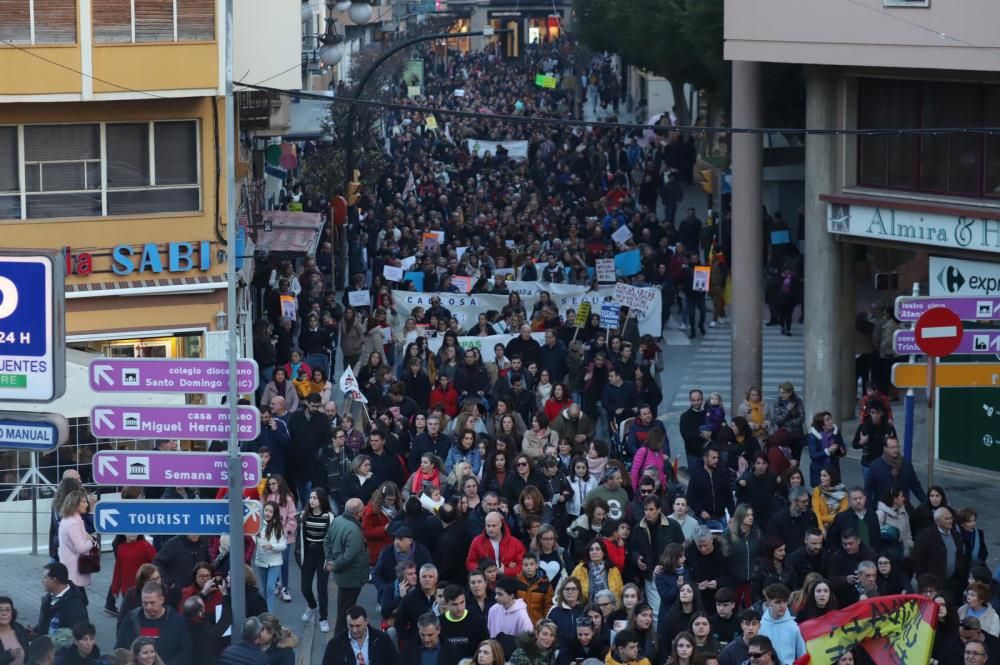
586, 643
761, 652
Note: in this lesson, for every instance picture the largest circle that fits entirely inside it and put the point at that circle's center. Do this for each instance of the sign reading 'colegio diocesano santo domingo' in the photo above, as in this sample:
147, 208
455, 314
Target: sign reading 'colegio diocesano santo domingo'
165, 468
198, 423
170, 375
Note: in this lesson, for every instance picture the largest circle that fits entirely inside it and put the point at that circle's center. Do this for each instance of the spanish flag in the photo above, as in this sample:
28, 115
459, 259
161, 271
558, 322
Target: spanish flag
893, 630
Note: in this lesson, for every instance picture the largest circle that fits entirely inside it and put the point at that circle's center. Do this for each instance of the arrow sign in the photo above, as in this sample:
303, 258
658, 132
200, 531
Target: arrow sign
166, 468
949, 375
909, 308
168, 517
196, 423
976, 342
170, 375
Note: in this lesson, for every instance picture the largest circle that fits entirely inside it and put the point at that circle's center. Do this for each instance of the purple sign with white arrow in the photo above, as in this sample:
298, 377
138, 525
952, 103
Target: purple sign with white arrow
909, 308
169, 375
985, 342
165, 468
197, 423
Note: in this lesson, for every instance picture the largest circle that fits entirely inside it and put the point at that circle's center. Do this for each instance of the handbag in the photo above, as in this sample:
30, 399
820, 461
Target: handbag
90, 562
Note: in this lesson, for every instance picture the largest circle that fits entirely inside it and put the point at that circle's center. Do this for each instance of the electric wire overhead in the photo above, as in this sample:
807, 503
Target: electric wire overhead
563, 122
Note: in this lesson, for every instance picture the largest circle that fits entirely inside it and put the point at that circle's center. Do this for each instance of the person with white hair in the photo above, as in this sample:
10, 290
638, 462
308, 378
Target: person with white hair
940, 551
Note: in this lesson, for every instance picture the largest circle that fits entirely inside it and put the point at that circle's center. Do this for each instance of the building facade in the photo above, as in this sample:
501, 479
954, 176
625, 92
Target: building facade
892, 203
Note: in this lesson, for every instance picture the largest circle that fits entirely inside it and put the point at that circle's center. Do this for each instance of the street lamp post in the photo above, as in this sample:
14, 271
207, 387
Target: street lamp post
352, 112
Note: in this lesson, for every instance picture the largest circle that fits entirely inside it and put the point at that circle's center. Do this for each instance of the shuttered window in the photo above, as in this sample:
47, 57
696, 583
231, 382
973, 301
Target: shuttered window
150, 167
112, 21
195, 20
152, 20
54, 21
10, 199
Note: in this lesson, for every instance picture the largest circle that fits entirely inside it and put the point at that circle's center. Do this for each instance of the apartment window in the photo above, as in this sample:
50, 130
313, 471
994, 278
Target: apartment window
90, 170
37, 22
953, 164
143, 21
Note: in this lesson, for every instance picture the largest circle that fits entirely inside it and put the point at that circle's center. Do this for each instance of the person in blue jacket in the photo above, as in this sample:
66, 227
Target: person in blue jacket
893, 470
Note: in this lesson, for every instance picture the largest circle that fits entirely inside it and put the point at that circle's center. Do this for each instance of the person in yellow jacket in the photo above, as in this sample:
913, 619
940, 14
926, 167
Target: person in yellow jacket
829, 498
626, 650
598, 566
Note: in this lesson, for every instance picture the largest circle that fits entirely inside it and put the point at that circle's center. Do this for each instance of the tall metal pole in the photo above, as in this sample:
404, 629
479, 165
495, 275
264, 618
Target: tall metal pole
352, 113
908, 402
237, 577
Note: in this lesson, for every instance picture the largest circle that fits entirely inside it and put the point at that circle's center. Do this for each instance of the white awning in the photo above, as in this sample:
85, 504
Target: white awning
79, 398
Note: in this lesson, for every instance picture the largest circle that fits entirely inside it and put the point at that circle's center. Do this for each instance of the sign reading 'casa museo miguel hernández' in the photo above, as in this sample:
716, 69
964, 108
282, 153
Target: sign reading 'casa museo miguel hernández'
877, 223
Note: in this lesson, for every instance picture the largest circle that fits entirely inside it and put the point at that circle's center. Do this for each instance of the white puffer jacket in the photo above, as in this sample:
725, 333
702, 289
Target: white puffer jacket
268, 558
897, 517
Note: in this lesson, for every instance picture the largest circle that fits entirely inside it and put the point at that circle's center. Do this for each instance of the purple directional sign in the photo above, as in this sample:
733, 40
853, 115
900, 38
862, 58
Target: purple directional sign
169, 375
986, 342
165, 468
197, 423
967, 308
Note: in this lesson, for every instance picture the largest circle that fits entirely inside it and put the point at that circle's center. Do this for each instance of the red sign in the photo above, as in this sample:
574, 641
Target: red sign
938, 332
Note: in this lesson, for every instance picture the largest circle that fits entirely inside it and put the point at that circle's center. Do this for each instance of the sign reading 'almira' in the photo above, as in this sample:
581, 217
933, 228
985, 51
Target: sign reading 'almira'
975, 233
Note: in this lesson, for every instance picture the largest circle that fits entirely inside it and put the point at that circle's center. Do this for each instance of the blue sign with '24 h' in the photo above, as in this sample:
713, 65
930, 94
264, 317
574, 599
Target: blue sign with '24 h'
22, 308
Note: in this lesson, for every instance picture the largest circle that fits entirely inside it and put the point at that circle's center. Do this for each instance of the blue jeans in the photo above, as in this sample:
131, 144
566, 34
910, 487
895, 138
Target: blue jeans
268, 581
302, 490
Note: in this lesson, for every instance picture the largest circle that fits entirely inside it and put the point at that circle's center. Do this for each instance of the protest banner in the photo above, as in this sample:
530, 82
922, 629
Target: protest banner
635, 297
289, 306
582, 314
392, 273
407, 262
622, 234
431, 122
515, 149
485, 344
893, 630
466, 308
359, 299
464, 284
416, 277
609, 316
606, 271
701, 277
429, 242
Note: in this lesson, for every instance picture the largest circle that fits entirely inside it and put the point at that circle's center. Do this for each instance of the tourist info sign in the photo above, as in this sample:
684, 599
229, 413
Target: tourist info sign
196, 423
169, 375
170, 468
167, 517
32, 326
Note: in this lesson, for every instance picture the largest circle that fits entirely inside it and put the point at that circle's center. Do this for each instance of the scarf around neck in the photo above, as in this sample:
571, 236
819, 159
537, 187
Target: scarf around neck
895, 463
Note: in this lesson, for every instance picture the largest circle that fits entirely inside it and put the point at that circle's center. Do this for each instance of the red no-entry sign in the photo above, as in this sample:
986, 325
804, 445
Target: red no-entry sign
938, 332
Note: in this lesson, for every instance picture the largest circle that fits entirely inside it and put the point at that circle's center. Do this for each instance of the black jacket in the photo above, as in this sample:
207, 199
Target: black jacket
710, 493
451, 567
70, 608
21, 633
849, 520
690, 423
351, 488
714, 566
573, 652
176, 560
173, 642
380, 649
243, 653
411, 607
69, 655
386, 467
799, 563
425, 444
645, 544
792, 530
308, 437
411, 654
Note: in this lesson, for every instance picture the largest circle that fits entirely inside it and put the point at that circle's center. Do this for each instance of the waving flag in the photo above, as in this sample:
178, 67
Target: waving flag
349, 386
894, 630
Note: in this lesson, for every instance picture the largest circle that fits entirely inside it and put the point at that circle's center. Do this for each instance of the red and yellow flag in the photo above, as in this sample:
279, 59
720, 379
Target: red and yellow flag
894, 630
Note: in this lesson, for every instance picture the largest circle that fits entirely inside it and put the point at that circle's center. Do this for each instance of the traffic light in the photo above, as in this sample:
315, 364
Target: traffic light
354, 188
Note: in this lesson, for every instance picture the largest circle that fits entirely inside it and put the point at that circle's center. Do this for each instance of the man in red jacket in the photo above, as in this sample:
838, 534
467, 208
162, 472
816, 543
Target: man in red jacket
497, 544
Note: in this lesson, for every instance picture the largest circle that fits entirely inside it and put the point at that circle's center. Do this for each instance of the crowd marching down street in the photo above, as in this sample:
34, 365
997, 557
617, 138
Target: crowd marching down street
472, 428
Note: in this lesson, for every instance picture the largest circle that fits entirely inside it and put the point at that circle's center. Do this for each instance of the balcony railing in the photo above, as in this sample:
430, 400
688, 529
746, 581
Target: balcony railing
254, 108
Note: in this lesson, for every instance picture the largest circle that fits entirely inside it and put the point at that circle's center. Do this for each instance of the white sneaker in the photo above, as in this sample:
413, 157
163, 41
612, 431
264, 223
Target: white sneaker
712, 324
324, 626
285, 596
683, 326
308, 615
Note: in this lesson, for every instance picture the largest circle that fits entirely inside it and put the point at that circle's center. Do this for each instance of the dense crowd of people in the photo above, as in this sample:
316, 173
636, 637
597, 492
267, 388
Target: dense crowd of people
529, 509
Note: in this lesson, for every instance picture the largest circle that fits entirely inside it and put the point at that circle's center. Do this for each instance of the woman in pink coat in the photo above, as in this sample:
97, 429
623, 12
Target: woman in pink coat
279, 492
73, 537
650, 455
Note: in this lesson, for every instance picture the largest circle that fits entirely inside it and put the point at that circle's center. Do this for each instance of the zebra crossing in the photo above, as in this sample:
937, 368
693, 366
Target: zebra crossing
709, 370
